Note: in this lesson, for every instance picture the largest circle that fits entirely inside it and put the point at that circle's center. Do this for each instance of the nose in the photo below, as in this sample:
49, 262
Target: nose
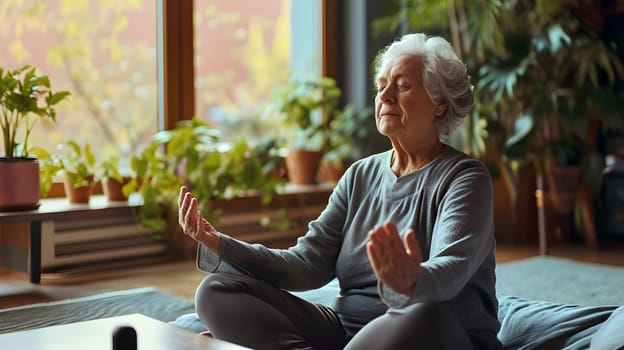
387, 94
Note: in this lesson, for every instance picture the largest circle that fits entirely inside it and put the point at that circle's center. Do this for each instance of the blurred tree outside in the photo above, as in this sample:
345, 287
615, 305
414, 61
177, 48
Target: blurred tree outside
104, 52
252, 49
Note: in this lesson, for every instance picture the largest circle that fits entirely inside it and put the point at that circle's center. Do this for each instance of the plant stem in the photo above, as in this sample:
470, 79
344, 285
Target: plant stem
454, 28
4, 122
13, 124
29, 127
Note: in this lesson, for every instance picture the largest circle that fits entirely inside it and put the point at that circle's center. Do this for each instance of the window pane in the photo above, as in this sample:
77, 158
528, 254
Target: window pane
104, 53
242, 51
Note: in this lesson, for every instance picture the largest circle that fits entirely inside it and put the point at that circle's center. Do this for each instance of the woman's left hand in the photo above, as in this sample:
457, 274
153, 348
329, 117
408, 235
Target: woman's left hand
396, 262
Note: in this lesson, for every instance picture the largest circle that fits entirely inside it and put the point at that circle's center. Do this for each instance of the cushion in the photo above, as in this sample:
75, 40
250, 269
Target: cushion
190, 322
529, 324
610, 336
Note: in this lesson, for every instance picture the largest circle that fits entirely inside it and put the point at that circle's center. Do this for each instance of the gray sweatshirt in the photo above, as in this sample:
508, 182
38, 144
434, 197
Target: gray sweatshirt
448, 202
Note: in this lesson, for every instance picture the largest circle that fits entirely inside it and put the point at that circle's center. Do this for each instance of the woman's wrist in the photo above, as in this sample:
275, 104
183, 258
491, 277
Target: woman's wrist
211, 241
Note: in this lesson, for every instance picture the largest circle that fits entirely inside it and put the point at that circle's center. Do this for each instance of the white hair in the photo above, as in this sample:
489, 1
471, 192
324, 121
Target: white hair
445, 78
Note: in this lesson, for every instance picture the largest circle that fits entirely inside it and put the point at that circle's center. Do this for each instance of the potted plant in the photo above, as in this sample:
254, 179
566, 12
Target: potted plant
113, 182
193, 154
307, 106
25, 98
559, 110
75, 164
553, 88
346, 134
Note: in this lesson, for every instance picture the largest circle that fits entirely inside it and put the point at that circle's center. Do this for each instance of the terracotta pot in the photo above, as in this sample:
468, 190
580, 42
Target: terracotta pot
19, 184
331, 171
303, 166
78, 195
113, 189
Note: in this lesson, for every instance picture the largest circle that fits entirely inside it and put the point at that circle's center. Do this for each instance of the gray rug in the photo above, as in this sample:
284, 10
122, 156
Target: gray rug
540, 278
561, 280
147, 301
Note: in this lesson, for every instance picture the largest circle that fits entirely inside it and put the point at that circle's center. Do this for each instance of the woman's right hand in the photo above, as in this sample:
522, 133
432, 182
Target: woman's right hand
193, 222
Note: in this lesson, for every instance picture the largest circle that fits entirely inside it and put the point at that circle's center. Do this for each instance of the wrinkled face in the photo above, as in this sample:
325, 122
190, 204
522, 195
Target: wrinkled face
402, 107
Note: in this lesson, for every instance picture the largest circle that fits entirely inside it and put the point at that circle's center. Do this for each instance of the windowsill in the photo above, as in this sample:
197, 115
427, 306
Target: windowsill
50, 207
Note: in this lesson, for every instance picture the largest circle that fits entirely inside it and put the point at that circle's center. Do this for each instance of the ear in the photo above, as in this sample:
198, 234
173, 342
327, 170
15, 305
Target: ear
440, 109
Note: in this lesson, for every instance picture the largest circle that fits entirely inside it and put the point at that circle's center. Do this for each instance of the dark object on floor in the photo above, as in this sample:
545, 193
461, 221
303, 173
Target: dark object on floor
124, 338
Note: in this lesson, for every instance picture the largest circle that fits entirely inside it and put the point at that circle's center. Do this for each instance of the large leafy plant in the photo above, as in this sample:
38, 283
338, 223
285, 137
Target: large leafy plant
25, 98
552, 88
543, 77
307, 106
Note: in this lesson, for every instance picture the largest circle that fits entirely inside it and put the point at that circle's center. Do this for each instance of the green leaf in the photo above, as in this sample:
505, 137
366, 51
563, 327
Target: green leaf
40, 153
522, 127
557, 37
54, 98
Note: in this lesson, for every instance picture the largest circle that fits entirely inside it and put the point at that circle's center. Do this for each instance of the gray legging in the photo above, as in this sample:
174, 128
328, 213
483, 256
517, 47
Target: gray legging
250, 312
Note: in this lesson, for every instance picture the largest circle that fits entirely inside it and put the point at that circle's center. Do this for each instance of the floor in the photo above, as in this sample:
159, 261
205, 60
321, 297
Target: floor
180, 278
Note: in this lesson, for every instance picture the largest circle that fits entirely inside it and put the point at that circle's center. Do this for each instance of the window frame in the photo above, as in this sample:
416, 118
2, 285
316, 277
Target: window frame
176, 91
176, 67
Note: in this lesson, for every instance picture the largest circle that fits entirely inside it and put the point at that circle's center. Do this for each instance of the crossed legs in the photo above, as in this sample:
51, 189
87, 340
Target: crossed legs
250, 312
419, 326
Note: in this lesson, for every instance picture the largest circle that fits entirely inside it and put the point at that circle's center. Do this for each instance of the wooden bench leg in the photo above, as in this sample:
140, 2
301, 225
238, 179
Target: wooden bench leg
34, 252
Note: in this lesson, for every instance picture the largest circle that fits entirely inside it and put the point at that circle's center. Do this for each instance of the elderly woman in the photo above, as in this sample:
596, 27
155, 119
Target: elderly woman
408, 233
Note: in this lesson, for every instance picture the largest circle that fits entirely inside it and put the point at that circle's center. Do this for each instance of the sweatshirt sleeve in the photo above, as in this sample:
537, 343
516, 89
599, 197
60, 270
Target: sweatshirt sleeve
309, 264
208, 261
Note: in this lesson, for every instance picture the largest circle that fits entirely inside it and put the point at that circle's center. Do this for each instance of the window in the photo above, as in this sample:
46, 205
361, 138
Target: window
243, 49
104, 53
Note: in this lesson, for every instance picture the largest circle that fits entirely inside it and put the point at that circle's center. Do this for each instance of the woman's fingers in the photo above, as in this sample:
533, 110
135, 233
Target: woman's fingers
183, 190
395, 261
389, 248
373, 256
193, 222
183, 203
184, 200
412, 246
188, 215
380, 249
395, 245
